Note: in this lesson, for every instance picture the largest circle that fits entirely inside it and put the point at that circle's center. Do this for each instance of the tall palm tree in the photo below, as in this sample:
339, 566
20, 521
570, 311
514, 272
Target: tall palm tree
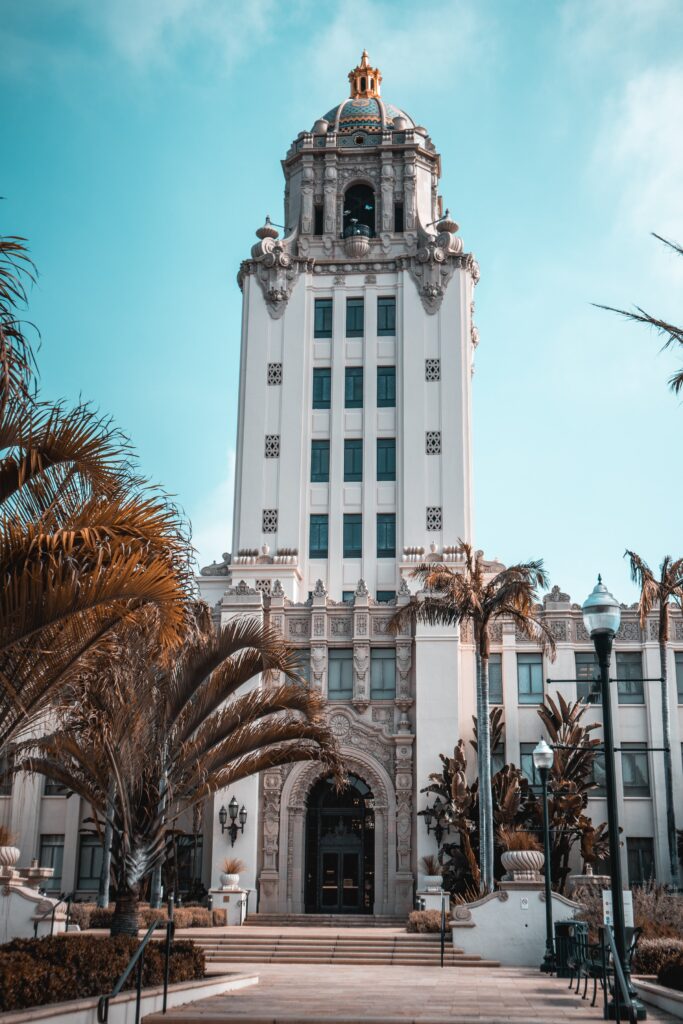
660, 593
672, 334
172, 736
85, 544
470, 592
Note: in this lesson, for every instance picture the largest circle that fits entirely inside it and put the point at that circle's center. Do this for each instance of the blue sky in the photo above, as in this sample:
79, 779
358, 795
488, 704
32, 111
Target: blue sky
141, 149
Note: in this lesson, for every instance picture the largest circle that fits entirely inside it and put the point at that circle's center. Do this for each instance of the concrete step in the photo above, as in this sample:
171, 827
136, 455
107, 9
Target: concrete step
325, 920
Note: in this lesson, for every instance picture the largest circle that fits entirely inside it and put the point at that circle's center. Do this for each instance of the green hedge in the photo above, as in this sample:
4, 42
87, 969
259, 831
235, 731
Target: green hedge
671, 974
652, 954
89, 915
34, 972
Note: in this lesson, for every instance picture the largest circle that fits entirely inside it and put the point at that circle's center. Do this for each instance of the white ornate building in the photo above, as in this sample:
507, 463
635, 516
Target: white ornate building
353, 463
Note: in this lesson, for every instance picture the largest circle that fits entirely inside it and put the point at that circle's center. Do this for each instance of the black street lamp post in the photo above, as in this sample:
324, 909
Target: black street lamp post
602, 616
543, 762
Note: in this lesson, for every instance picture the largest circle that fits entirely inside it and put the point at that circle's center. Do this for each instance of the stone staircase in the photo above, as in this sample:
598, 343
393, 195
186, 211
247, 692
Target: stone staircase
375, 947
325, 921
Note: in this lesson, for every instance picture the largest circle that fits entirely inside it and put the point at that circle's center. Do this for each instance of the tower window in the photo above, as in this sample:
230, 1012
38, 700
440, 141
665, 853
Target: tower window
398, 217
317, 538
386, 317
318, 212
353, 536
353, 387
386, 596
433, 518
359, 211
355, 318
382, 673
386, 387
322, 327
353, 460
320, 462
386, 535
272, 446
340, 674
362, 85
322, 387
432, 369
275, 373
386, 458
433, 442
269, 520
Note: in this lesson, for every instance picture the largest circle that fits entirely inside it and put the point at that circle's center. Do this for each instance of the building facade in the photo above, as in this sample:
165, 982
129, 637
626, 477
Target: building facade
353, 464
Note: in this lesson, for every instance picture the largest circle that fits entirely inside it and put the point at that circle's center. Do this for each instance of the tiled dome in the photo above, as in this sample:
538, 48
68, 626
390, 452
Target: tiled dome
366, 115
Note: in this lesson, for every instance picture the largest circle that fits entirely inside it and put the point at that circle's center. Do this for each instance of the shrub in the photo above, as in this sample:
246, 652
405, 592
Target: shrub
652, 954
423, 921
81, 914
101, 917
657, 911
34, 972
671, 974
220, 917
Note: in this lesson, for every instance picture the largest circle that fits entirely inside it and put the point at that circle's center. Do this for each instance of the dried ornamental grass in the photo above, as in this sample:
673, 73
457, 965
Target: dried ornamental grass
518, 839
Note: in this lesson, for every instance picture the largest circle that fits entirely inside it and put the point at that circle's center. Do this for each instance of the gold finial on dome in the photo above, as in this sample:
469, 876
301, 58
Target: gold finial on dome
365, 81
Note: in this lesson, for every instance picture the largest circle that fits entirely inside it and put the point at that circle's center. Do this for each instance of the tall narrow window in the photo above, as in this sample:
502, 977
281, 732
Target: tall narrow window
386, 535
526, 763
587, 673
386, 458
530, 678
317, 538
353, 387
303, 665
386, 387
353, 535
385, 596
354, 318
398, 217
340, 674
630, 678
318, 212
320, 462
322, 327
382, 673
635, 769
322, 387
89, 862
495, 679
679, 675
353, 459
6, 775
641, 860
386, 316
498, 758
51, 855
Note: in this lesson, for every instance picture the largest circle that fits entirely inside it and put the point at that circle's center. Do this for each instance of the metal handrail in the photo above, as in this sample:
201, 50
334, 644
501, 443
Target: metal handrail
443, 925
138, 958
619, 981
51, 911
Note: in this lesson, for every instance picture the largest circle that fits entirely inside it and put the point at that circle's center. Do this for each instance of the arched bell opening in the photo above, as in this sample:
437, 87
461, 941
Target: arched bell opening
340, 848
359, 211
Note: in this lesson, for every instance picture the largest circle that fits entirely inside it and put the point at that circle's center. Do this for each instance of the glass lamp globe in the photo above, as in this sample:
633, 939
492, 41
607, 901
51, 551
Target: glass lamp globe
243, 816
601, 611
233, 808
543, 756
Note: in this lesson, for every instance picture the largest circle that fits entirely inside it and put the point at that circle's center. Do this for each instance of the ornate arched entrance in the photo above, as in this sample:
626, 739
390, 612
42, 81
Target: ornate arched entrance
340, 848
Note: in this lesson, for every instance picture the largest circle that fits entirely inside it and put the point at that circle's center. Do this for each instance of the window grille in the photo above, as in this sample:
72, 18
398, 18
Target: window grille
433, 442
432, 369
272, 450
433, 517
275, 373
263, 586
269, 520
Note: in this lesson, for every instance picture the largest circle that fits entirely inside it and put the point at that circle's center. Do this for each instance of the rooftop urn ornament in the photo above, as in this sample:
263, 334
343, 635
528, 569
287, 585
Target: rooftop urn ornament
267, 231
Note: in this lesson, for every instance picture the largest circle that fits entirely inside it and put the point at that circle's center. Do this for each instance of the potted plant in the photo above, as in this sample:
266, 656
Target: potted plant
523, 857
432, 869
9, 853
230, 875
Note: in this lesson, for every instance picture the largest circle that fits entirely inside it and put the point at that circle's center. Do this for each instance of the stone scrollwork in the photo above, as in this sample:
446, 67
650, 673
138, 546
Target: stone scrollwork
433, 265
275, 267
318, 667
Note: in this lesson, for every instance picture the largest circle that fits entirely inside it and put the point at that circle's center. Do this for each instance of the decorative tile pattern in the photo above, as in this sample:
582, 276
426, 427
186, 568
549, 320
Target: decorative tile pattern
269, 520
432, 369
433, 518
433, 442
275, 373
272, 446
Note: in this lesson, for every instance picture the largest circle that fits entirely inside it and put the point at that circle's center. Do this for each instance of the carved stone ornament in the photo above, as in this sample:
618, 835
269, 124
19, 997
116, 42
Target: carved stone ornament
433, 265
403, 588
361, 589
276, 269
217, 568
319, 589
277, 590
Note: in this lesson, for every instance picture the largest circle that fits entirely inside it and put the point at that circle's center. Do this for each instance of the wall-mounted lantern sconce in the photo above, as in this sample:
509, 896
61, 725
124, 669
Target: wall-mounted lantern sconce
437, 820
236, 814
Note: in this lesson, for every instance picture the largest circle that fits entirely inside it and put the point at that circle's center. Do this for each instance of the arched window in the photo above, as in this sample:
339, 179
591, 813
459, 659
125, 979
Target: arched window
362, 85
359, 211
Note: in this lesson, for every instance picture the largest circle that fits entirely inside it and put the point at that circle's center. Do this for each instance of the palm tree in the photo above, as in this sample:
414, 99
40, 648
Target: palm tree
470, 592
659, 593
172, 736
85, 544
673, 334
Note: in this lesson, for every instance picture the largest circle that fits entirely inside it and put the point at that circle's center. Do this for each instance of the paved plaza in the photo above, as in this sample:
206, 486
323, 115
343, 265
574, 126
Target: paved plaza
350, 994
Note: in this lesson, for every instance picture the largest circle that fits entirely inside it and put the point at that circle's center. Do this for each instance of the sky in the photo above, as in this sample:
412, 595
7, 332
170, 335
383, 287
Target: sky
141, 148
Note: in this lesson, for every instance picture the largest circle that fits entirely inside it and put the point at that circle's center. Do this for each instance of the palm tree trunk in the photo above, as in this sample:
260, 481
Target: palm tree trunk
105, 872
486, 795
668, 779
155, 888
483, 831
125, 920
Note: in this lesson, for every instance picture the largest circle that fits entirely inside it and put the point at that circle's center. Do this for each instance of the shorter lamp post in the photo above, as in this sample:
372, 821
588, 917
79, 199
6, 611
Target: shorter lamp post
236, 814
601, 617
543, 762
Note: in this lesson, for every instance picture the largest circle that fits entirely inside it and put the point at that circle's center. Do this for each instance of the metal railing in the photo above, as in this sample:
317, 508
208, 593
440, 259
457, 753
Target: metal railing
51, 912
443, 925
137, 960
621, 992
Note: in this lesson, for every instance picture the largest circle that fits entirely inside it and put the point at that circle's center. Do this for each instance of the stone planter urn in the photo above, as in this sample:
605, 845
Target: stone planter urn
9, 855
357, 246
433, 882
523, 865
229, 881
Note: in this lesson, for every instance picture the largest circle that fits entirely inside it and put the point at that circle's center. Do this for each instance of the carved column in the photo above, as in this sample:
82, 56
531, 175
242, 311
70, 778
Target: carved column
404, 822
319, 667
269, 877
409, 195
307, 187
361, 676
330, 195
387, 212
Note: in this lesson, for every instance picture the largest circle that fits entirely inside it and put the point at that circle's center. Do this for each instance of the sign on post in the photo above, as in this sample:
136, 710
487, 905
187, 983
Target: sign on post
607, 908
